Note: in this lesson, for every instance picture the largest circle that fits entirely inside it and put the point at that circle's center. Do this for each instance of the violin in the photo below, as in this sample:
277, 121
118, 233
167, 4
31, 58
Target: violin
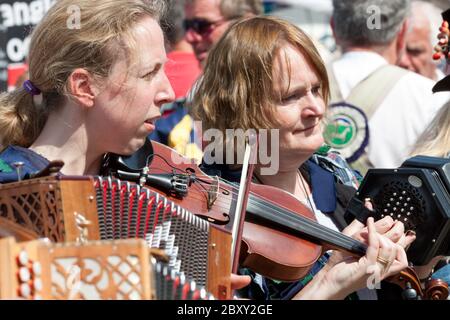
281, 238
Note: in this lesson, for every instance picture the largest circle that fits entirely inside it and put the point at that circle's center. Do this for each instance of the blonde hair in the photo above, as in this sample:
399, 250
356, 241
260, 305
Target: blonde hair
236, 90
435, 140
57, 48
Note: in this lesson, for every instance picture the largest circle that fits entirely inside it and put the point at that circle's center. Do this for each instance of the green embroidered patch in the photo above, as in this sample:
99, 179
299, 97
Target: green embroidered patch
4, 167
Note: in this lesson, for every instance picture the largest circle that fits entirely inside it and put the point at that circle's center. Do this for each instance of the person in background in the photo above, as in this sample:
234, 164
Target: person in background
396, 116
182, 67
421, 39
205, 22
435, 140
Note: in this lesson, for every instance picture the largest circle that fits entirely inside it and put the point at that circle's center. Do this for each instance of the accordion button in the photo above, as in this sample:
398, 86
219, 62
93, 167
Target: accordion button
37, 268
24, 290
37, 284
23, 258
24, 274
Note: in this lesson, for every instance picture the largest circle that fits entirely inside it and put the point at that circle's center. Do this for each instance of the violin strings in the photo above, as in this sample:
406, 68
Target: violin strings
316, 228
284, 213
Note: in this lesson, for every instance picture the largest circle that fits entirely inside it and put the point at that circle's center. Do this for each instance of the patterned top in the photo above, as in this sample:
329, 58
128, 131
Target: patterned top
32, 163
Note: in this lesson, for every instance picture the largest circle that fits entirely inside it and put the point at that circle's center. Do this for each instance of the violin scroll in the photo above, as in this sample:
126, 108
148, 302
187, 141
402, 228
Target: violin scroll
436, 289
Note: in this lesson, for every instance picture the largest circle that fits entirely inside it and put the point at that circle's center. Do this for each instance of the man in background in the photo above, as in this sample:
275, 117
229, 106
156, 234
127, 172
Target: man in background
420, 40
372, 35
182, 67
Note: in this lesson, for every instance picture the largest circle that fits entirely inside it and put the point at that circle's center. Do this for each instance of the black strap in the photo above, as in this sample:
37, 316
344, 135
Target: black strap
357, 210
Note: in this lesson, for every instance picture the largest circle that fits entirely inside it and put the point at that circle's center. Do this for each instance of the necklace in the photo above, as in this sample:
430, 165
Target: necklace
308, 200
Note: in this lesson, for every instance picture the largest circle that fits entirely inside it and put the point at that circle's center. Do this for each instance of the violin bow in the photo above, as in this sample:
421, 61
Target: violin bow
251, 146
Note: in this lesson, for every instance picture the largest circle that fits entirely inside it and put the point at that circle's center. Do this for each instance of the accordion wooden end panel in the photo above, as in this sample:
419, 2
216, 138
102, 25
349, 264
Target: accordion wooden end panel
97, 270
11, 229
49, 207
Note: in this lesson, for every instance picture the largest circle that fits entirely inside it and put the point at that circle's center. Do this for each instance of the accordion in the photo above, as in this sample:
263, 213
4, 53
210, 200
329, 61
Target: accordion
122, 269
417, 194
80, 209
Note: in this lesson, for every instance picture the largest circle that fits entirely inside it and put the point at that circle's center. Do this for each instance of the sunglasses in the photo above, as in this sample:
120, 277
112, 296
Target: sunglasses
202, 26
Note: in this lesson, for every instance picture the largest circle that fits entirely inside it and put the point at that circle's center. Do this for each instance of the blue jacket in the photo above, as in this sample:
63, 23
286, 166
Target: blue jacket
32, 163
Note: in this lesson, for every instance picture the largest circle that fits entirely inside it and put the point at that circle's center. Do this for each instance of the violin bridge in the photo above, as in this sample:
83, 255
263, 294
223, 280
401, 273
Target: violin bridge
213, 192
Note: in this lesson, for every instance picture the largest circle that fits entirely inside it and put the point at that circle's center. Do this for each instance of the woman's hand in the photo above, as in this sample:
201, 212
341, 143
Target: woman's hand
383, 259
388, 227
345, 274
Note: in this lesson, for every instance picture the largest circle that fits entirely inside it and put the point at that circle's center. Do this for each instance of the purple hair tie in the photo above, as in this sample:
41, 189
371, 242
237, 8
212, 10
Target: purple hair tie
31, 88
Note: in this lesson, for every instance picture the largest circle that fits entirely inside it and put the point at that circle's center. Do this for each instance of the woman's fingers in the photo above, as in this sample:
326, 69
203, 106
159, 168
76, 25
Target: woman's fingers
353, 228
373, 242
410, 236
387, 250
391, 257
368, 204
400, 262
381, 226
238, 282
406, 239
396, 232
384, 225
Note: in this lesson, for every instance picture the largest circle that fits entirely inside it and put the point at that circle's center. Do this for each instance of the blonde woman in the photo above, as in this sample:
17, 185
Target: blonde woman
435, 141
93, 88
265, 73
